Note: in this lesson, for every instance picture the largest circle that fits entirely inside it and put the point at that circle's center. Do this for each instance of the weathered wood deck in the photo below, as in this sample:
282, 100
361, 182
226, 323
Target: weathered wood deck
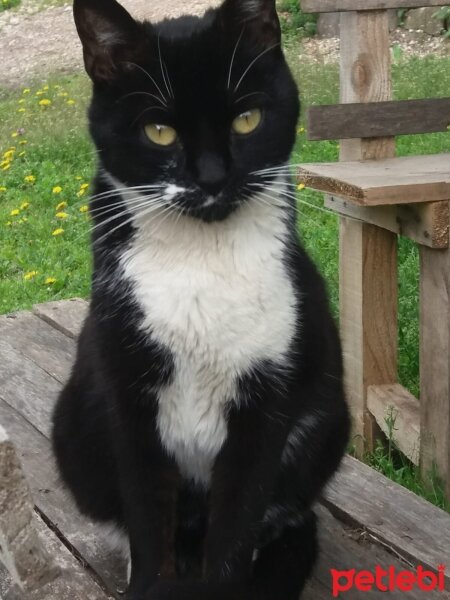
366, 520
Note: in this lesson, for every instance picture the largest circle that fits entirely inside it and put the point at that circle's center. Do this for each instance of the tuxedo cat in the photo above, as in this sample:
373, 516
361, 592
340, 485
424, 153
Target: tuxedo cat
205, 410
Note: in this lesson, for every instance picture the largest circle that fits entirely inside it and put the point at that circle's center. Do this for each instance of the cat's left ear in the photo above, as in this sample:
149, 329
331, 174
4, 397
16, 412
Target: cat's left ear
258, 19
109, 34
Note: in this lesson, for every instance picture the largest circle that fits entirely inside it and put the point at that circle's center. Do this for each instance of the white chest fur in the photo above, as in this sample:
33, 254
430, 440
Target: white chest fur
219, 298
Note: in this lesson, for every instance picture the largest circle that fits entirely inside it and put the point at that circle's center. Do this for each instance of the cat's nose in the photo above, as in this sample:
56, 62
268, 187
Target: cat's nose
212, 173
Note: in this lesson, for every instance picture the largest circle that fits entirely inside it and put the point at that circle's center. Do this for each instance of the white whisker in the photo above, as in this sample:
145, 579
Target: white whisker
233, 57
252, 63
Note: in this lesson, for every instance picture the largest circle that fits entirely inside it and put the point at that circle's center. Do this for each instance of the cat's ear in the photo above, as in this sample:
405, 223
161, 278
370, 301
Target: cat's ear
109, 34
258, 19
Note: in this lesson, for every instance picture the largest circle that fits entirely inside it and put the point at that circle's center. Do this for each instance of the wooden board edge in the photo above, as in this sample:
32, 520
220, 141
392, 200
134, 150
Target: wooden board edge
54, 314
397, 413
327, 6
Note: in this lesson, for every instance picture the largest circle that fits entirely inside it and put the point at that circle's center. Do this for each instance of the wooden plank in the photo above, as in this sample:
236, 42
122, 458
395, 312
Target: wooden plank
324, 6
397, 413
26, 560
52, 499
27, 388
402, 180
410, 526
66, 315
73, 583
435, 362
345, 548
41, 343
427, 224
378, 119
368, 261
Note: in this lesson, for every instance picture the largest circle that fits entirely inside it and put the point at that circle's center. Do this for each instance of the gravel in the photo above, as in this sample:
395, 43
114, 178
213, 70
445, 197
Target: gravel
35, 43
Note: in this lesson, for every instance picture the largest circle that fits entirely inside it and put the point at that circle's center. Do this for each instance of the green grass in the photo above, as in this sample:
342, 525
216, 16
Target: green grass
58, 153
6, 4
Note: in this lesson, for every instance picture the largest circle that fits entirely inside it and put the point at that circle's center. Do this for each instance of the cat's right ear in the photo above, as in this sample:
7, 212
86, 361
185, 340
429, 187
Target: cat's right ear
109, 34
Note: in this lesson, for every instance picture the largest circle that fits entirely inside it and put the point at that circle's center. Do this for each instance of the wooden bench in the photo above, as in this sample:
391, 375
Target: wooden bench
379, 196
365, 519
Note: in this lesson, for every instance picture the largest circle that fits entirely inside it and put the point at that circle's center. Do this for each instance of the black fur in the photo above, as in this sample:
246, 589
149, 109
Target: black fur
105, 434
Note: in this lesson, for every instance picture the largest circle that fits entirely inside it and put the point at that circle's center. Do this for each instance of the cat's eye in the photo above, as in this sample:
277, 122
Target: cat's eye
247, 122
163, 135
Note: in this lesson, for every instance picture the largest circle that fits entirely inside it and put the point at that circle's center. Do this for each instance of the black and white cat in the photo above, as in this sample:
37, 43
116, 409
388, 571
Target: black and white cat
205, 411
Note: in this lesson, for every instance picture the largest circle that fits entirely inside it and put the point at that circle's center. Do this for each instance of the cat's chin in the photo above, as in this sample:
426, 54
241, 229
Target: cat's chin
219, 211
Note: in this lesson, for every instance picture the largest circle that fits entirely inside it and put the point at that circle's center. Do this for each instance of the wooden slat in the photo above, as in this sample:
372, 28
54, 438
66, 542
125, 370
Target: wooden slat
410, 526
43, 344
397, 413
323, 6
74, 581
427, 223
378, 119
368, 261
345, 548
53, 500
26, 560
66, 315
435, 362
402, 180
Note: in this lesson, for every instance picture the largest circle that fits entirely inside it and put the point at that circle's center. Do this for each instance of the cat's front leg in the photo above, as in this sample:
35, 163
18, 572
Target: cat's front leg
243, 481
149, 485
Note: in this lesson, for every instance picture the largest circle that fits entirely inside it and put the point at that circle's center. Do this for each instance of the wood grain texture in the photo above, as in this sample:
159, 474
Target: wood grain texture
427, 223
410, 179
53, 500
397, 413
320, 6
27, 562
73, 583
65, 315
435, 362
410, 526
41, 343
378, 119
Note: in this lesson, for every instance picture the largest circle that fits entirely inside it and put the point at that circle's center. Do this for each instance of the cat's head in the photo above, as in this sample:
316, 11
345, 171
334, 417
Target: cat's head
193, 108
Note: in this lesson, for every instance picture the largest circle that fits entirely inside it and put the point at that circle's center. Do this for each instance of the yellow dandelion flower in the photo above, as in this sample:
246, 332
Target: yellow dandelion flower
301, 130
45, 102
3, 188
50, 280
6, 166
26, 91
21, 110
23, 142
5, 162
30, 179
81, 193
9, 154
84, 209
21, 101
63, 94
24, 205
61, 206
78, 177
58, 231
301, 186
39, 92
57, 189
84, 186
61, 215
22, 153
14, 134
30, 275
70, 102
15, 212
45, 87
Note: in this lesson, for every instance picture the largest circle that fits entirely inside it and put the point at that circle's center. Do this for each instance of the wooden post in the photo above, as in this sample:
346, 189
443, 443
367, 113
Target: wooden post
435, 363
21, 552
368, 254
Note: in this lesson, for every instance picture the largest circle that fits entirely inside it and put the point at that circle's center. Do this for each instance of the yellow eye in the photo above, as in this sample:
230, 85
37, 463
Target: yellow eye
247, 121
163, 135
